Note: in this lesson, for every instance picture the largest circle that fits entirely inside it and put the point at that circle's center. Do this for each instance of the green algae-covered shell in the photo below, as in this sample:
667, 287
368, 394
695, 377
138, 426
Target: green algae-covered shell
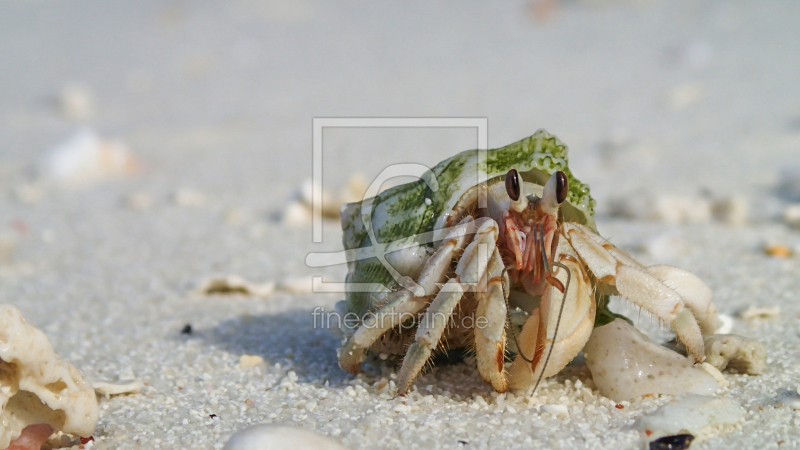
415, 208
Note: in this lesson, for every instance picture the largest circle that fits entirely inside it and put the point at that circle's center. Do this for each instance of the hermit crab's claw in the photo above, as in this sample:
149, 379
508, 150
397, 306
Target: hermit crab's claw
555, 191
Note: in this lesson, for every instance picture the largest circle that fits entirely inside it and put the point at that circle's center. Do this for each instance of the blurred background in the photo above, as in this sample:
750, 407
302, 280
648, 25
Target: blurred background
149, 146
146, 144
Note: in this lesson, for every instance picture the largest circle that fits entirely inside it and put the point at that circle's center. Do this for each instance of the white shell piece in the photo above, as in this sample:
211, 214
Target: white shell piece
725, 324
105, 387
714, 372
690, 413
266, 436
36, 385
625, 364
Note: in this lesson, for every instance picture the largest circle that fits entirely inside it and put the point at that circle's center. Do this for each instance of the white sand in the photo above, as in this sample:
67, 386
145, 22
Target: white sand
652, 97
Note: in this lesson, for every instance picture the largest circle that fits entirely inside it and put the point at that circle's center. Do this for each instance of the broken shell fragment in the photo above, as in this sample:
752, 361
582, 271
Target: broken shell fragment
234, 284
763, 312
741, 354
690, 413
625, 364
299, 210
108, 388
36, 385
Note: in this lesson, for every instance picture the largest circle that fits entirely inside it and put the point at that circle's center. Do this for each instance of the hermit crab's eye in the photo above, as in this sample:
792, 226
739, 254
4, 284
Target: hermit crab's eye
561, 187
512, 184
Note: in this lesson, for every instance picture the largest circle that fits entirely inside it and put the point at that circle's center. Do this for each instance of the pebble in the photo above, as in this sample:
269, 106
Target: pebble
268, 436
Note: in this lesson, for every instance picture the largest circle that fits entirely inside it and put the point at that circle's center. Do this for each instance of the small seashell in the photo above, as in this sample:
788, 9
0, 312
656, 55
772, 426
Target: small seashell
689, 413
763, 312
234, 284
87, 159
268, 436
625, 364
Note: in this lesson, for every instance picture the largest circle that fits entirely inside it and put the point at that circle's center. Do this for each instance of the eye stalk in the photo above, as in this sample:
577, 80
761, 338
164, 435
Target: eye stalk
555, 192
561, 187
512, 184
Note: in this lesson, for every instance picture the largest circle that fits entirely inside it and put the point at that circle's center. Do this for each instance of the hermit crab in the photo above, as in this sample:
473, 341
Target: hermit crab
441, 261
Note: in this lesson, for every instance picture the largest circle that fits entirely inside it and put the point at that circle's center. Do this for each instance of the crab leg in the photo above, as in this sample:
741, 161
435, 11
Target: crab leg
638, 285
403, 304
470, 269
537, 336
490, 336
